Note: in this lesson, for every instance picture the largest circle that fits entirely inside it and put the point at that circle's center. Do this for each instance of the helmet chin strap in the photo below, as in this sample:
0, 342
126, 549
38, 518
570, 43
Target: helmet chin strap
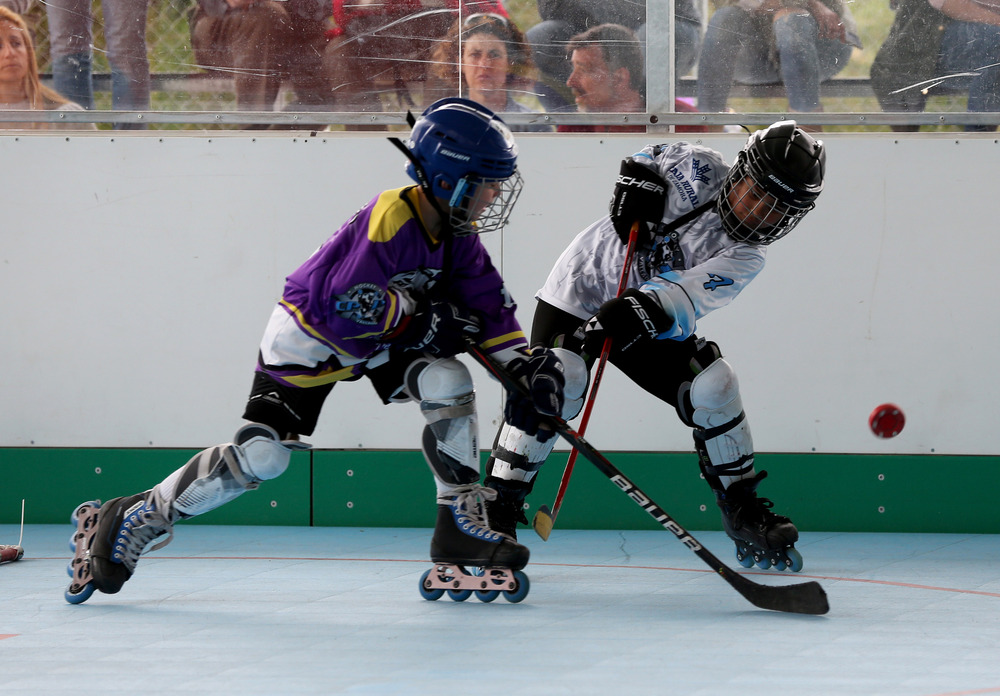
425, 181
447, 232
425, 186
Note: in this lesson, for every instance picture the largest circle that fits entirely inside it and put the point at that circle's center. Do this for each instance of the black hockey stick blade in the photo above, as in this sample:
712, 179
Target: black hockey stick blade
801, 598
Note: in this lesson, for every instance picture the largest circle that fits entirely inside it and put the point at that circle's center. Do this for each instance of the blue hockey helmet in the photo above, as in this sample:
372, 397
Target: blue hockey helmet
463, 153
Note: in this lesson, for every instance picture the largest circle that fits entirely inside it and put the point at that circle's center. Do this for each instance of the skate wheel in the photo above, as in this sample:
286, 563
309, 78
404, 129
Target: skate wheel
75, 517
81, 595
763, 563
427, 592
780, 565
459, 595
487, 595
521, 590
794, 560
744, 560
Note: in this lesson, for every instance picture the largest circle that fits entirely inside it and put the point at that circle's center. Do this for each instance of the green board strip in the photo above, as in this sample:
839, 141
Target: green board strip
363, 488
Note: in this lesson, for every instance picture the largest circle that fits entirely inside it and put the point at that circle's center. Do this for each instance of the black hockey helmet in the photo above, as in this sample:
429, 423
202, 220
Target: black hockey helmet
783, 167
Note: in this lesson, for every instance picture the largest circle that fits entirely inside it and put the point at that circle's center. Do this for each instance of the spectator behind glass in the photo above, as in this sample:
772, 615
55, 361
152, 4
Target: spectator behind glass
495, 63
377, 43
20, 87
262, 43
20, 7
608, 76
71, 44
936, 40
564, 19
798, 42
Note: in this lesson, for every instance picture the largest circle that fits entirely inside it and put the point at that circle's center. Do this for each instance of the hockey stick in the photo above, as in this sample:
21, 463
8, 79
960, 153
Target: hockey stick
802, 598
545, 518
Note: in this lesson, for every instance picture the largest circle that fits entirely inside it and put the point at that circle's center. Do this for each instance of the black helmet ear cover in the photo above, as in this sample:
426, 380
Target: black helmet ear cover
788, 162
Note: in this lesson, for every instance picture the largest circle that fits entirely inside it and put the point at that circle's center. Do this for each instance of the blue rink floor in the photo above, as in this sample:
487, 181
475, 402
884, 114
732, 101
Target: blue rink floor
293, 610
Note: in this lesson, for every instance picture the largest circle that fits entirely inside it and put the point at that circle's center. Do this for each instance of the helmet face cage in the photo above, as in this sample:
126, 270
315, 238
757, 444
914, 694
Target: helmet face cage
753, 215
483, 205
776, 179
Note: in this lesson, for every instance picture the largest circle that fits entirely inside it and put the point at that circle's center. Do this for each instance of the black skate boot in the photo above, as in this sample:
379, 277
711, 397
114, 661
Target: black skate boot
125, 527
762, 537
108, 542
462, 537
506, 511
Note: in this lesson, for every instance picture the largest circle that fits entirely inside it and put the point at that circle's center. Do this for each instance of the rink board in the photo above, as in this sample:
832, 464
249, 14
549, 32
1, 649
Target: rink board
840, 493
140, 270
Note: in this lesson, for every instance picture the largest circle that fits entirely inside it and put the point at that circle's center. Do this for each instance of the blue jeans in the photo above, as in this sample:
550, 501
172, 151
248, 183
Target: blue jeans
968, 47
71, 37
743, 45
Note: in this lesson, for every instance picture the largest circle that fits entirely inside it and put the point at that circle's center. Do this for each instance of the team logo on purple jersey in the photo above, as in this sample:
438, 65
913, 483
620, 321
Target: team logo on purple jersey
364, 304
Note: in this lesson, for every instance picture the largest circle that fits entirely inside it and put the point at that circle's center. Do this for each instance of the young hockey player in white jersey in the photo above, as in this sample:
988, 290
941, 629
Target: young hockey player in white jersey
393, 295
702, 236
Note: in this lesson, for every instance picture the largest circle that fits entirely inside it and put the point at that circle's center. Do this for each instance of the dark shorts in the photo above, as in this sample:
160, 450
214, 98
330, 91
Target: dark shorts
662, 368
295, 410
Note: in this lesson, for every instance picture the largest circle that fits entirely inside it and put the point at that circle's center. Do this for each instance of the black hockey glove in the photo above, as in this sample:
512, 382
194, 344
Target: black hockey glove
629, 320
542, 373
640, 196
438, 328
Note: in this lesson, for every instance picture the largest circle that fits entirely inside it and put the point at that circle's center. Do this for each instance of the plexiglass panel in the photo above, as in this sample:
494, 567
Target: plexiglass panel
550, 65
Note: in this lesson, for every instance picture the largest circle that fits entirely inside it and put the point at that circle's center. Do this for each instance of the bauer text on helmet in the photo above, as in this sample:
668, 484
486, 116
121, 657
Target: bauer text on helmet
469, 161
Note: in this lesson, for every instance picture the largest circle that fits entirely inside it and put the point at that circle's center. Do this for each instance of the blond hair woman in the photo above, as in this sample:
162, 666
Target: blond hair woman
20, 87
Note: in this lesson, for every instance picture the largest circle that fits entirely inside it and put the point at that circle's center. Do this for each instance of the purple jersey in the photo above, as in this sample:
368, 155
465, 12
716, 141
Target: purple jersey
338, 307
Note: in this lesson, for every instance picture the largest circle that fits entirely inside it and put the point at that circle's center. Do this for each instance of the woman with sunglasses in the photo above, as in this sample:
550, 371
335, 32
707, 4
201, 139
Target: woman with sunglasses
486, 57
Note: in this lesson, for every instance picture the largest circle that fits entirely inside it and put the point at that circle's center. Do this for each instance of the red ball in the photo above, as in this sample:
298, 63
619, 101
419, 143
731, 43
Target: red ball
887, 420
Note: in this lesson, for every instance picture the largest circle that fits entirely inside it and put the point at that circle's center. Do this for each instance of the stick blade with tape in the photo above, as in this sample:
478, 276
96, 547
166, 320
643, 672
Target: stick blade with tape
543, 522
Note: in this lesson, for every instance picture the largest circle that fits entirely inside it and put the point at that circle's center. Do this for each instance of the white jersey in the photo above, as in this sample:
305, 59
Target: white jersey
697, 269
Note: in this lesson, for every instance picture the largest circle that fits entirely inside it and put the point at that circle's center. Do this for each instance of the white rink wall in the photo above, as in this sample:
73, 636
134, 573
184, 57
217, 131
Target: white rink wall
138, 271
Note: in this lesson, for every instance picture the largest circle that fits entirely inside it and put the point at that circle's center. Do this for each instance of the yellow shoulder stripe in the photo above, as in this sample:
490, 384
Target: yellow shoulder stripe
389, 214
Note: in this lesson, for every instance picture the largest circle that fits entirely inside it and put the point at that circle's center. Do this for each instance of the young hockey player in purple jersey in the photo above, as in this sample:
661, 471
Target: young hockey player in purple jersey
393, 296
703, 232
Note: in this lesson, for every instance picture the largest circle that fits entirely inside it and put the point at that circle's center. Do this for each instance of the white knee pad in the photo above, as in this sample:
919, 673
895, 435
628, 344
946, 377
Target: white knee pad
222, 473
260, 452
718, 410
446, 378
577, 378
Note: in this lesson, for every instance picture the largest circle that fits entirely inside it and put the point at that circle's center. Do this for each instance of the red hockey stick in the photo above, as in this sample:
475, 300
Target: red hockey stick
545, 518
